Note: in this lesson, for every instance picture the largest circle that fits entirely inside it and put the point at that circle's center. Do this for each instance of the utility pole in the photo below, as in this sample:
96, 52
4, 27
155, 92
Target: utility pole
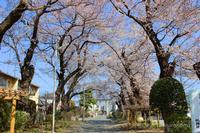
54, 88
45, 111
83, 119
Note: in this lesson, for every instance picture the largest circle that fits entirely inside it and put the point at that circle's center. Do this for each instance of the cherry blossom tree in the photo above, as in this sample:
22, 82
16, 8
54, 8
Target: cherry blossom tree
29, 28
165, 23
74, 30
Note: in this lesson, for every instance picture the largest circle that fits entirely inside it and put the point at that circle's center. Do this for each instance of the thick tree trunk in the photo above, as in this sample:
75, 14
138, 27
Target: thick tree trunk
65, 104
196, 67
165, 116
136, 92
27, 69
27, 73
12, 18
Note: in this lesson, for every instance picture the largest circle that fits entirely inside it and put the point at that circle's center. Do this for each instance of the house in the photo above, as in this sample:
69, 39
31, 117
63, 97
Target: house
12, 83
103, 106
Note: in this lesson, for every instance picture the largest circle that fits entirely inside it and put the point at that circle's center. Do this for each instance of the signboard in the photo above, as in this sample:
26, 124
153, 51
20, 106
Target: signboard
195, 111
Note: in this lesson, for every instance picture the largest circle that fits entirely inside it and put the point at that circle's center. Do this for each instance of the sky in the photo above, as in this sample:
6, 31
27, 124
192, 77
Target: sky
41, 79
44, 81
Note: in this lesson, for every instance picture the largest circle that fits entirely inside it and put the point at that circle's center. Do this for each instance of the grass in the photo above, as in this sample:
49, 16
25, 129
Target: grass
60, 127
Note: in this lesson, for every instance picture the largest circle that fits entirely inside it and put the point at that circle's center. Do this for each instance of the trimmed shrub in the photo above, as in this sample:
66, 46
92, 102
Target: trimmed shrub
22, 119
167, 95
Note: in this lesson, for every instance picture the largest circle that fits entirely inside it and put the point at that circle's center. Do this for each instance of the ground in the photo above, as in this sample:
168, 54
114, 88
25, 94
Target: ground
101, 124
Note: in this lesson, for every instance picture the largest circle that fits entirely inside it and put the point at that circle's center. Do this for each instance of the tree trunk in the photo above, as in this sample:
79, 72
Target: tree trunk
196, 67
27, 70
66, 104
166, 115
12, 18
27, 73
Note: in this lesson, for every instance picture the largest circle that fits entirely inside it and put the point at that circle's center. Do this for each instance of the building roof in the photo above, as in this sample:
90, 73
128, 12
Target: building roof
8, 75
14, 77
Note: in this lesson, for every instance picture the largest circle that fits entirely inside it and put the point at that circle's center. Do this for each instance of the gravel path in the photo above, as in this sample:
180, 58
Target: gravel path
101, 124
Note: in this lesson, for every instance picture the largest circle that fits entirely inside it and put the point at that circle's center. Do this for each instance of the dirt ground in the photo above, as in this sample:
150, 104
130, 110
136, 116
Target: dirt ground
101, 124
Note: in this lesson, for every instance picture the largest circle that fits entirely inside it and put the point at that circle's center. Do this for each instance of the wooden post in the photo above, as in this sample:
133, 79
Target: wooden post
12, 117
158, 118
134, 115
128, 115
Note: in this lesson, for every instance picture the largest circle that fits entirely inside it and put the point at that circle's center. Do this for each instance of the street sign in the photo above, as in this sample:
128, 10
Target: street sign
195, 111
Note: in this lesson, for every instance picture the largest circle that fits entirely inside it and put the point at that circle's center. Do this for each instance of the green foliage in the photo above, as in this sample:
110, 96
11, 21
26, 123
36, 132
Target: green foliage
39, 117
72, 105
167, 95
22, 118
5, 109
117, 115
58, 115
48, 118
67, 115
179, 124
89, 99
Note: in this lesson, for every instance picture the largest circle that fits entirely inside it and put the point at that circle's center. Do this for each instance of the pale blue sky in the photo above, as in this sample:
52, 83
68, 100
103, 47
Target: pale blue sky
40, 78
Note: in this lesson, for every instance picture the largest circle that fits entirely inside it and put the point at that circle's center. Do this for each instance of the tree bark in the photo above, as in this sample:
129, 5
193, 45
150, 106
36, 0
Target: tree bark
27, 69
65, 98
196, 67
12, 18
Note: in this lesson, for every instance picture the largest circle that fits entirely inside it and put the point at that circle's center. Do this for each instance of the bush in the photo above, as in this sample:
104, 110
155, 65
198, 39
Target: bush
117, 114
22, 119
179, 124
67, 115
39, 118
58, 115
49, 118
167, 95
5, 110
110, 116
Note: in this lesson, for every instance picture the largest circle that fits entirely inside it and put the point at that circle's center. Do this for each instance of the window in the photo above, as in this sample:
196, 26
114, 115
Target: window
3, 82
197, 121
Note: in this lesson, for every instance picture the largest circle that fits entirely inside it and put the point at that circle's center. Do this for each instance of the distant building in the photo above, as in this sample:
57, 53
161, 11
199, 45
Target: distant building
103, 106
12, 83
106, 106
46, 101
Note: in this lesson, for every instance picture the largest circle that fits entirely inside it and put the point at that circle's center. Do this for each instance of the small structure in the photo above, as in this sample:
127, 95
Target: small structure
8, 82
9, 90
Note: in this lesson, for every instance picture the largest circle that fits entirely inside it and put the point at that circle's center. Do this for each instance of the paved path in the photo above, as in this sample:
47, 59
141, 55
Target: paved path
100, 124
